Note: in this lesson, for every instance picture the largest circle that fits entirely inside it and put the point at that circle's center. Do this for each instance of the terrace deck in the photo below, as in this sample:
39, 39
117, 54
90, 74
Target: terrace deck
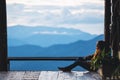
49, 75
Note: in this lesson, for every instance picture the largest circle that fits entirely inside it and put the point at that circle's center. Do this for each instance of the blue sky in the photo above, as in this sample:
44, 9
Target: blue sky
85, 15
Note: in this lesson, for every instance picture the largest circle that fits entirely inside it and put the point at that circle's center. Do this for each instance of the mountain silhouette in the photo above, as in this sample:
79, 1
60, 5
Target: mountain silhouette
78, 48
39, 35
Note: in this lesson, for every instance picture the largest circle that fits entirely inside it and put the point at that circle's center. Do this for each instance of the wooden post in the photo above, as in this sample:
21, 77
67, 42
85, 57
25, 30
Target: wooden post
3, 36
104, 72
119, 33
115, 28
107, 22
119, 37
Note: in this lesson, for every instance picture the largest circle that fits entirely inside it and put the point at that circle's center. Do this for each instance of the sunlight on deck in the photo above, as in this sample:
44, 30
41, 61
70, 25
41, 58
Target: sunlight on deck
49, 75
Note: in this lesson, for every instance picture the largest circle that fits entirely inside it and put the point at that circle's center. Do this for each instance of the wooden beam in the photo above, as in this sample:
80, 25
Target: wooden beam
118, 30
107, 21
115, 28
119, 36
119, 33
42, 58
3, 36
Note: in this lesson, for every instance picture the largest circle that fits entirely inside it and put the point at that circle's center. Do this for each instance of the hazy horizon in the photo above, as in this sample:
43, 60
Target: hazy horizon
87, 15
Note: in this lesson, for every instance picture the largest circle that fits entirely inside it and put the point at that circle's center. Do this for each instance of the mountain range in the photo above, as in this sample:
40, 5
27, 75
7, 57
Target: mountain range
44, 36
78, 48
41, 41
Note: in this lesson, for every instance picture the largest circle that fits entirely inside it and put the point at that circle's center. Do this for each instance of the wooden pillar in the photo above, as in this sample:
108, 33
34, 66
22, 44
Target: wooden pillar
112, 36
119, 32
3, 36
119, 36
115, 28
107, 22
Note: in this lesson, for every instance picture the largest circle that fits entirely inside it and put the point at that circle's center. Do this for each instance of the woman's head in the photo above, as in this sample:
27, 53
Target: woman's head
101, 45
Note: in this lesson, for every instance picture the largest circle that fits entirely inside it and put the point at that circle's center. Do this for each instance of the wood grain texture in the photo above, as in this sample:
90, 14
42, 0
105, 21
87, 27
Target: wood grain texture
49, 75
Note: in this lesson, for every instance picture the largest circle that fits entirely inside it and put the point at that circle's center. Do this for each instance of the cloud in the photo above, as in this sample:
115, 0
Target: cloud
90, 28
52, 16
52, 33
55, 2
71, 13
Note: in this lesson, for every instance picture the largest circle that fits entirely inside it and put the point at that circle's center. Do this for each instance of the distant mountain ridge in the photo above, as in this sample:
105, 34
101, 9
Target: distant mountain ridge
44, 36
78, 48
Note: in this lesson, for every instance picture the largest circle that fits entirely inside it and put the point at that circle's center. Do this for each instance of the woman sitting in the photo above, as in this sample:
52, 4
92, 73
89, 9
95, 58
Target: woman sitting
91, 62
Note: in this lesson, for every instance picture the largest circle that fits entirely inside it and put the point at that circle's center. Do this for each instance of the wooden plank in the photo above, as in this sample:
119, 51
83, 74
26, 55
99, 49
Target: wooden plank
66, 76
3, 75
80, 76
15, 75
31, 75
76, 75
48, 75
12, 75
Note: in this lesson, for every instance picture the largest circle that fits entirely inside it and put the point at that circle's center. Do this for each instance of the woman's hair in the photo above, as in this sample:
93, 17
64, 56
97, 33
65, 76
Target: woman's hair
101, 44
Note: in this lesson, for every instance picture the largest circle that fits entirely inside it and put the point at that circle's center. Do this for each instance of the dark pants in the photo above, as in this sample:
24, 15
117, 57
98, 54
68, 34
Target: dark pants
80, 62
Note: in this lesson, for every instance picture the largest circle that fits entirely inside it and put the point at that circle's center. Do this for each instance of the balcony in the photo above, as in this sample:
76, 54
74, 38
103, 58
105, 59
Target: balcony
75, 75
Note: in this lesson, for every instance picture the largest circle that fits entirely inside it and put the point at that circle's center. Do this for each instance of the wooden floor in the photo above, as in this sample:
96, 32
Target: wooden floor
48, 75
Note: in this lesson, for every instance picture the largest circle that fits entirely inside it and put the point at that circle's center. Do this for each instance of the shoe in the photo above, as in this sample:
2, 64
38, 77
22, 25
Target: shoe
64, 69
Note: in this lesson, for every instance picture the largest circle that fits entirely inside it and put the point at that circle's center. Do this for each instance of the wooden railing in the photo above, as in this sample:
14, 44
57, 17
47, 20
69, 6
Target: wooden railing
39, 59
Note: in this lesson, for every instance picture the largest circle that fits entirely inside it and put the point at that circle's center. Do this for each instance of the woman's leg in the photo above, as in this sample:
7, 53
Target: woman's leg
70, 67
86, 65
